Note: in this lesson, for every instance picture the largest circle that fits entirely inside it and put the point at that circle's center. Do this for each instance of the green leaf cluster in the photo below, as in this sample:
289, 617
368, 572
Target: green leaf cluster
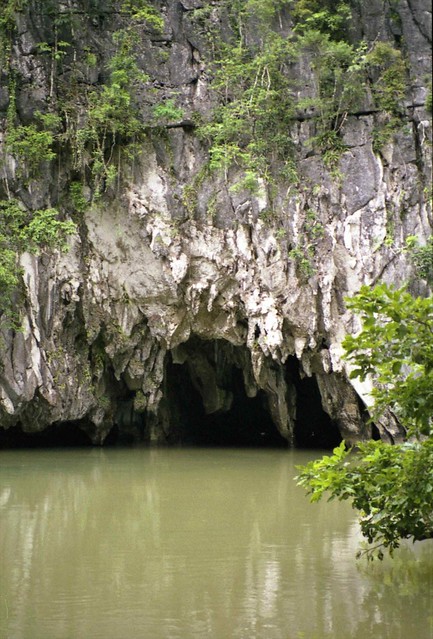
78, 200
429, 99
101, 123
166, 112
304, 260
390, 486
31, 144
388, 73
8, 13
250, 127
421, 257
388, 69
111, 125
31, 231
258, 104
141, 10
339, 77
304, 254
325, 16
396, 346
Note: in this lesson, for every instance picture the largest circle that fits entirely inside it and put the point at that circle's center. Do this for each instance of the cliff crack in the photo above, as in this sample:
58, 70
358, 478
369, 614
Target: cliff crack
419, 24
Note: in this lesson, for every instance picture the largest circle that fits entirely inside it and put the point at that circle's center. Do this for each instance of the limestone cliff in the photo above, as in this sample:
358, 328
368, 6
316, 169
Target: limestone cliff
181, 294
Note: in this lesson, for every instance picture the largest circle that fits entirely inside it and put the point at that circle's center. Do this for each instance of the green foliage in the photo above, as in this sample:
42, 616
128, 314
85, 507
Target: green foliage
30, 145
113, 109
429, 99
8, 13
339, 76
303, 255
32, 231
101, 123
112, 116
244, 14
77, 196
57, 51
33, 143
250, 128
8, 273
190, 191
20, 231
391, 486
325, 16
313, 227
142, 10
249, 182
45, 231
166, 112
387, 70
396, 346
421, 257
303, 259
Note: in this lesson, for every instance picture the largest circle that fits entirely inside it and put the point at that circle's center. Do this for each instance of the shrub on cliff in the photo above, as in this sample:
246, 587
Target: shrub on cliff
31, 231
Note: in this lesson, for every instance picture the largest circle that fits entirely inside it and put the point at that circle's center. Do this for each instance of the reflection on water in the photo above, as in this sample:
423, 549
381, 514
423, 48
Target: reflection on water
186, 544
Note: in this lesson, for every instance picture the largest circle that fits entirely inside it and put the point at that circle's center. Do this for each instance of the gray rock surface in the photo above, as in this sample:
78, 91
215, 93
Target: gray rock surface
152, 294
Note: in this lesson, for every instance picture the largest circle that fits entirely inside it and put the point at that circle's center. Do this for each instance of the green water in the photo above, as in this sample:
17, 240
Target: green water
139, 543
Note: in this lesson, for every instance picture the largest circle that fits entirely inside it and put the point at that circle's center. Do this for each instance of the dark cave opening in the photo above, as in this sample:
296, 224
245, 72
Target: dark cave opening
246, 423
206, 402
313, 426
60, 435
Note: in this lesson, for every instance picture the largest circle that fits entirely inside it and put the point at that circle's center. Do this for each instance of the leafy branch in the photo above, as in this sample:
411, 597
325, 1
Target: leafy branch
390, 486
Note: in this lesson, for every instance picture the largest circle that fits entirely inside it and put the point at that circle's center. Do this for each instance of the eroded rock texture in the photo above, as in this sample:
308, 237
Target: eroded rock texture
170, 323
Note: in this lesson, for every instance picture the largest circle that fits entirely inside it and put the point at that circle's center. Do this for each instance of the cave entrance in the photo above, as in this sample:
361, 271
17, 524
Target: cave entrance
211, 400
313, 426
208, 402
61, 435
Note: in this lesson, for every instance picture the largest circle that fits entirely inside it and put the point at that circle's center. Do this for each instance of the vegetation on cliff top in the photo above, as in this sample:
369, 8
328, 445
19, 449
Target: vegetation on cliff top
257, 78
97, 125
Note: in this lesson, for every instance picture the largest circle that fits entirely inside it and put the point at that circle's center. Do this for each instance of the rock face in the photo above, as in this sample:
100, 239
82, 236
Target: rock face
169, 323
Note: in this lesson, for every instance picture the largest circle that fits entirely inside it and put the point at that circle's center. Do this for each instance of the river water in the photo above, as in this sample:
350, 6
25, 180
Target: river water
191, 543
